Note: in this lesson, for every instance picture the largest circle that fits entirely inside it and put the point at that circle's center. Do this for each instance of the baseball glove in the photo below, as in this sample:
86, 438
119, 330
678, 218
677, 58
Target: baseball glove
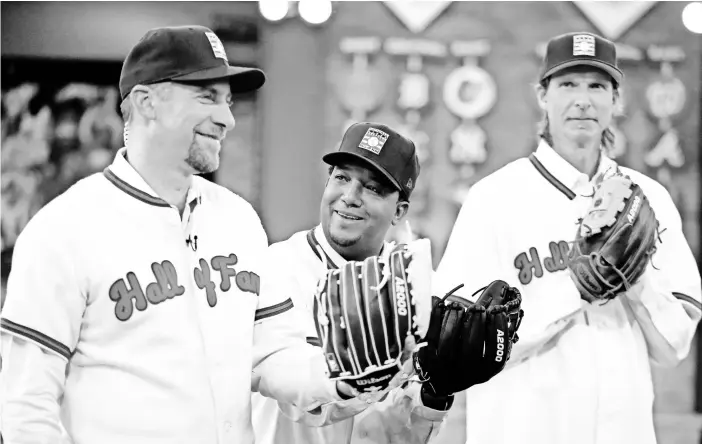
469, 343
365, 311
614, 241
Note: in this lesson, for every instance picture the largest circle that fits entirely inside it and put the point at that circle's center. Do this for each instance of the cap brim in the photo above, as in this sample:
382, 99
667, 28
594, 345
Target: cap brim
609, 69
339, 156
241, 79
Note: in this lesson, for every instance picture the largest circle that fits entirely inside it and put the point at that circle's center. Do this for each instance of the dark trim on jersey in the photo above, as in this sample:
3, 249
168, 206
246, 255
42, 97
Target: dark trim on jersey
312, 340
551, 178
35, 336
273, 310
690, 300
314, 243
135, 193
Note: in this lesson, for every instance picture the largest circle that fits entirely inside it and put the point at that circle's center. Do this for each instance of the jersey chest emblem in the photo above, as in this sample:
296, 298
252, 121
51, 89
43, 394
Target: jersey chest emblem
128, 293
529, 264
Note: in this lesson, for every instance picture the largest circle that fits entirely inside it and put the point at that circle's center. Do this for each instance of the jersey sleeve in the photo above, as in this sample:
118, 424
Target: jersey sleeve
285, 367
667, 301
401, 417
397, 411
45, 297
31, 382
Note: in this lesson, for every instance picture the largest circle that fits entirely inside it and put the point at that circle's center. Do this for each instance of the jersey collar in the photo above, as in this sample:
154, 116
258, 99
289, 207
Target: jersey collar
123, 175
331, 254
326, 248
564, 176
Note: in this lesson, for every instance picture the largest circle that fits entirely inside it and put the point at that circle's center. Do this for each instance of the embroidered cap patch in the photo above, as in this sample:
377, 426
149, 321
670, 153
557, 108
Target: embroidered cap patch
373, 140
584, 44
217, 46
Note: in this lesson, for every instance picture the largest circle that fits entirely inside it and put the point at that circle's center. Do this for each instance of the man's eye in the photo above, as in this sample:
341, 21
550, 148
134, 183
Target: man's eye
567, 84
340, 177
373, 188
597, 86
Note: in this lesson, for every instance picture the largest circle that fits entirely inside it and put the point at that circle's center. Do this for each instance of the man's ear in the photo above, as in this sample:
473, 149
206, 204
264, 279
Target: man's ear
142, 98
540, 96
618, 102
400, 211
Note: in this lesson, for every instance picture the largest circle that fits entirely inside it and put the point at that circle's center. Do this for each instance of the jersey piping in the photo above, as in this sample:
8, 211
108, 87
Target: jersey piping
690, 300
35, 336
551, 178
316, 248
135, 193
273, 310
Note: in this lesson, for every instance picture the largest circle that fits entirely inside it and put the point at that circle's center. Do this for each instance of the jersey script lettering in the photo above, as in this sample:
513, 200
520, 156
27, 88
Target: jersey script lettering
530, 265
130, 294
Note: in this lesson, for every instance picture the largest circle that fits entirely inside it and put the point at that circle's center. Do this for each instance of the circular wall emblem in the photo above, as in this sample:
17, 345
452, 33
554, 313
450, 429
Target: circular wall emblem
470, 92
666, 98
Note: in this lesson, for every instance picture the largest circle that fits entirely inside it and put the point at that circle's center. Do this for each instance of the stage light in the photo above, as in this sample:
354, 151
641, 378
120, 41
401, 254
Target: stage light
274, 10
692, 17
315, 12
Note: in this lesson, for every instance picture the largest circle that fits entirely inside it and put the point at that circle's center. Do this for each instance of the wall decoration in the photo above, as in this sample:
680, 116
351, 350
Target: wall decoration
360, 90
666, 100
469, 92
613, 19
417, 15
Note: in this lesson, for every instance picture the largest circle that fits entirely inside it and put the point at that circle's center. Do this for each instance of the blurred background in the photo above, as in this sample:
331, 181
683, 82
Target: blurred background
456, 77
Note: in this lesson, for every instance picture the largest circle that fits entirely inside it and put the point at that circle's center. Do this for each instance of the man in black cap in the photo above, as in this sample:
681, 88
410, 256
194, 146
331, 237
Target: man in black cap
135, 306
580, 371
371, 178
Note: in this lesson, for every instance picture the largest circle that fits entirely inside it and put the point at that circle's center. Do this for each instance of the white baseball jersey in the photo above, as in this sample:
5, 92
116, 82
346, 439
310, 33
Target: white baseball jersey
145, 320
300, 262
580, 372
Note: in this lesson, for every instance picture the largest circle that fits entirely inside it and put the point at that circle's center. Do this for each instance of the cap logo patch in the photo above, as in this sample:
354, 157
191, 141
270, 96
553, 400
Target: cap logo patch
374, 140
410, 184
217, 47
584, 45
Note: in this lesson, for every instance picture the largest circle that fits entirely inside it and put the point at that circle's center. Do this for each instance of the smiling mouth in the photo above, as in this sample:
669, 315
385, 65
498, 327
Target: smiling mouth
347, 216
218, 139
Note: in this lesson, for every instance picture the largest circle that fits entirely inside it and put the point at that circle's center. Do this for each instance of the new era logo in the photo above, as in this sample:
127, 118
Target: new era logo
373, 140
584, 45
217, 46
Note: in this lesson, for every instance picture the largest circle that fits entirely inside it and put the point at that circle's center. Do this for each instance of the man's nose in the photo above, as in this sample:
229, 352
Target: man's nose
352, 194
224, 117
582, 99
583, 103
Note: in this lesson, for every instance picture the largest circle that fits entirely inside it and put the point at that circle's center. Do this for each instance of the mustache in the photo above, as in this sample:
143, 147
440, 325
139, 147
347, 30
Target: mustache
218, 133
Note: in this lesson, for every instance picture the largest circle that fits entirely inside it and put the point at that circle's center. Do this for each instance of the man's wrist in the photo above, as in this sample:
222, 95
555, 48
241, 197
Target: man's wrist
434, 401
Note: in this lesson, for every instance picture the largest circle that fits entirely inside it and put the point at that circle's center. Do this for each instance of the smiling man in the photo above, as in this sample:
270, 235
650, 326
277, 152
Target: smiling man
580, 372
135, 311
371, 178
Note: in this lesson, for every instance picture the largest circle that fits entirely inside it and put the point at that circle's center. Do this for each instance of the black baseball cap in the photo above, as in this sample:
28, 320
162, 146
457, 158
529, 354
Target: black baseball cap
183, 53
580, 48
384, 149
